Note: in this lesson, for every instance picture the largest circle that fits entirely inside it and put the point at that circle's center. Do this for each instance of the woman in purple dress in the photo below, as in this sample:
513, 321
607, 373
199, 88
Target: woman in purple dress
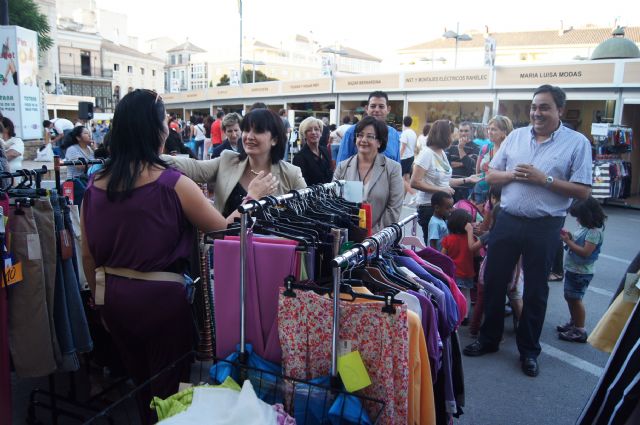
138, 219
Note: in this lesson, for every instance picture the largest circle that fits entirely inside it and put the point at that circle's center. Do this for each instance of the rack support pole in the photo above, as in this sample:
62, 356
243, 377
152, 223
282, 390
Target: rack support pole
243, 268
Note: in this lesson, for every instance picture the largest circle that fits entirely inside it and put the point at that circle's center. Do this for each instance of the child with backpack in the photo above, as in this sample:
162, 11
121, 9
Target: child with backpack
582, 250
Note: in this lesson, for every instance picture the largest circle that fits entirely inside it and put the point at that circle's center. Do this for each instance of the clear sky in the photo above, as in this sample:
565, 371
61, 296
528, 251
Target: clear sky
377, 27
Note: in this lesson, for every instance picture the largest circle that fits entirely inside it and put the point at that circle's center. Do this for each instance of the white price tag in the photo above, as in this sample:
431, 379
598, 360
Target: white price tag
33, 247
353, 191
345, 346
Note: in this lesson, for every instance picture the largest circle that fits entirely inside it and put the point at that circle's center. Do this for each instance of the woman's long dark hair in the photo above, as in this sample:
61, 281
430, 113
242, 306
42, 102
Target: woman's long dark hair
136, 135
71, 138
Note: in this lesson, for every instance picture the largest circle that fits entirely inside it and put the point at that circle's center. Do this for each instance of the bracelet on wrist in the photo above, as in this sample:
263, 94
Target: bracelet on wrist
464, 181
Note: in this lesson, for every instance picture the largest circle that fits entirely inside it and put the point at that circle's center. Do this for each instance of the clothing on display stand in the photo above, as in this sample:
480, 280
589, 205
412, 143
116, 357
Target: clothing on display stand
295, 286
611, 179
619, 139
45, 318
277, 346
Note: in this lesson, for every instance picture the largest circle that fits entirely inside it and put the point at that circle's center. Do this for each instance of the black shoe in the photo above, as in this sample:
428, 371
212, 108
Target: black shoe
573, 335
478, 349
530, 366
566, 327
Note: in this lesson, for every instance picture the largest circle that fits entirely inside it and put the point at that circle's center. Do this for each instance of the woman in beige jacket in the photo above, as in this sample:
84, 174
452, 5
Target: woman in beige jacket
381, 176
263, 139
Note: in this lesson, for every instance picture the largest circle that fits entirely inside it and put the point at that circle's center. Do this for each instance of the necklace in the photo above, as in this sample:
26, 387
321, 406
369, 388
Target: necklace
255, 173
362, 179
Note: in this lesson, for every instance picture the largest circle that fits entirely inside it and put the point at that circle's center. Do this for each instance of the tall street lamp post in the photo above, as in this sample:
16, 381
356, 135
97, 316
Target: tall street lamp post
458, 37
334, 65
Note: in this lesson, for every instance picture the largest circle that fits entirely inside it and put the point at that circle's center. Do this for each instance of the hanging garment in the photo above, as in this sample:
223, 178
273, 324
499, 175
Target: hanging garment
453, 306
437, 258
430, 328
461, 301
601, 186
77, 238
30, 336
305, 326
267, 267
43, 215
71, 323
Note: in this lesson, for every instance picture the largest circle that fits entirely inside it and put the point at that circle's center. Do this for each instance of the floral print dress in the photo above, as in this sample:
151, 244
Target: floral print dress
305, 324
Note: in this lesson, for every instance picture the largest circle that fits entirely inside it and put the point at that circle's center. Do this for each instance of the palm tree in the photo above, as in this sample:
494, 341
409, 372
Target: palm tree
25, 13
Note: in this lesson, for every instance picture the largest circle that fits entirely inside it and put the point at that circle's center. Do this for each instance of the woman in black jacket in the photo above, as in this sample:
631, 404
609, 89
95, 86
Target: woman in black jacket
313, 159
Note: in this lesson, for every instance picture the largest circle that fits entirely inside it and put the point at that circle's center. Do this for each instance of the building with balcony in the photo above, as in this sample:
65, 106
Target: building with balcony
82, 72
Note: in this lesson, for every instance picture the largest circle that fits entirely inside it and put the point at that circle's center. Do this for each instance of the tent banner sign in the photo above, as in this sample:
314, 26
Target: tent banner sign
20, 95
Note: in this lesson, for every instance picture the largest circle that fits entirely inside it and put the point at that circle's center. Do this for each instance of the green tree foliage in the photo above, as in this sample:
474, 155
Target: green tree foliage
224, 80
25, 13
247, 77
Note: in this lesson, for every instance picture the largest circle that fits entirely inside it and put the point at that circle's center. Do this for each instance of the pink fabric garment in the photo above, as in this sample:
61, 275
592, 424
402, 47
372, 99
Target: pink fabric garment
282, 417
304, 326
267, 267
459, 298
435, 257
277, 241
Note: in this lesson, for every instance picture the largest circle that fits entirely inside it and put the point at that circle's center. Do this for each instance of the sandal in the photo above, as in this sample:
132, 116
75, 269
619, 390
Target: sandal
554, 277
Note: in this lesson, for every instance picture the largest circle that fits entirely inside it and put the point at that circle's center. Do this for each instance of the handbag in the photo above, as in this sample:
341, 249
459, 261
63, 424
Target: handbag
607, 332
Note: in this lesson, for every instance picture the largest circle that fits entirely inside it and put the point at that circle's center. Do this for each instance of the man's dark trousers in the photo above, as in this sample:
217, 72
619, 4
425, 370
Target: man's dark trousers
536, 239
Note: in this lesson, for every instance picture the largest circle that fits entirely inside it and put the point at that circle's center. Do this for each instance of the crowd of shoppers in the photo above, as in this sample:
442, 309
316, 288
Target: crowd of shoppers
494, 199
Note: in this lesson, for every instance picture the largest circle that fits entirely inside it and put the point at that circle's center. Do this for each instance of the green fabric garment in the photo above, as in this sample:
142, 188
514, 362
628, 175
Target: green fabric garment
303, 267
181, 401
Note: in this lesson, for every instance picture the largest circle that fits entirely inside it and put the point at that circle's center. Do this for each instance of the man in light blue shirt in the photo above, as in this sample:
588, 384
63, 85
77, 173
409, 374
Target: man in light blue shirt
377, 107
541, 168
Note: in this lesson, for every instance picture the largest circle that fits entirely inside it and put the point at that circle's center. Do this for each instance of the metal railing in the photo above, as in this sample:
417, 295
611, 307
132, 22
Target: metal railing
81, 71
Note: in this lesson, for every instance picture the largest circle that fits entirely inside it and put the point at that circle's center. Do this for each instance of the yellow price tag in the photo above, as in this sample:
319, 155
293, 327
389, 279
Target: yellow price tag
353, 372
362, 215
13, 273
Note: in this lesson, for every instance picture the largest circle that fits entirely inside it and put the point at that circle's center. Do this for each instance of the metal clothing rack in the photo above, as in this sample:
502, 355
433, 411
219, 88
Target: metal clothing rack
26, 174
246, 210
380, 241
58, 163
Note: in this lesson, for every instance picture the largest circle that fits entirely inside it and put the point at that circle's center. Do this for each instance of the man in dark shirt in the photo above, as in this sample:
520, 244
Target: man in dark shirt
462, 156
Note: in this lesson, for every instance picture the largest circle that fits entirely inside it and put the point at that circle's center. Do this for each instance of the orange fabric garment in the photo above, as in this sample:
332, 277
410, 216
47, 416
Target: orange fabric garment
422, 408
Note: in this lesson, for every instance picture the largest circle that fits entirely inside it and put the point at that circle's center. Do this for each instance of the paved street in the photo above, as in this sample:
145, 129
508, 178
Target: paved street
498, 393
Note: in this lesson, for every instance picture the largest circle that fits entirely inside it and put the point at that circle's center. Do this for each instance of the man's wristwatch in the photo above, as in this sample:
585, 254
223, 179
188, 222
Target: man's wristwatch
548, 181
